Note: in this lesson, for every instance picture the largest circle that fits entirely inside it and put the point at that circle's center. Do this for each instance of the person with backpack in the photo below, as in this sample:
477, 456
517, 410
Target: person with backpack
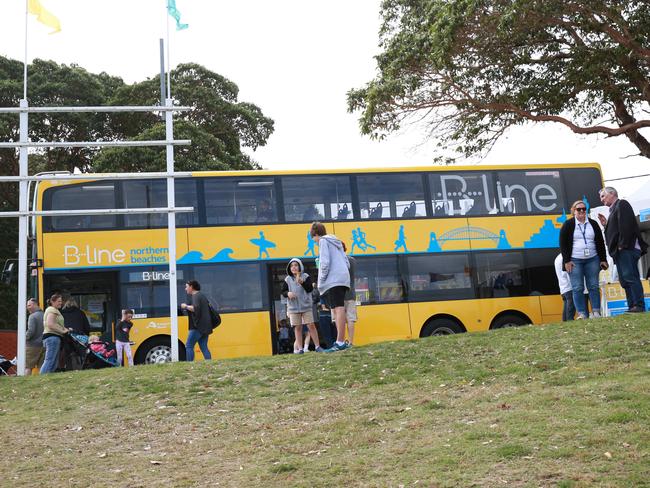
297, 288
200, 321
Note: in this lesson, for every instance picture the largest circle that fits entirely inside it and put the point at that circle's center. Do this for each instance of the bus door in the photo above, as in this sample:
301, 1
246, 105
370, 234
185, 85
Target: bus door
282, 335
95, 293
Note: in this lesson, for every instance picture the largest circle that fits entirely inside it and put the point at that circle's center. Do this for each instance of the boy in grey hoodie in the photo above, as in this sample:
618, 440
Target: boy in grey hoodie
297, 288
333, 278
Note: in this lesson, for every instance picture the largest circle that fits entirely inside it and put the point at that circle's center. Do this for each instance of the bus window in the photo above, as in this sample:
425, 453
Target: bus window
530, 192
247, 201
439, 277
230, 287
310, 198
500, 275
541, 271
97, 195
462, 193
377, 280
392, 195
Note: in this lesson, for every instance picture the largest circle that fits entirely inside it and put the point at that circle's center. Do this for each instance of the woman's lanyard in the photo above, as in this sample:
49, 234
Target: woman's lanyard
583, 230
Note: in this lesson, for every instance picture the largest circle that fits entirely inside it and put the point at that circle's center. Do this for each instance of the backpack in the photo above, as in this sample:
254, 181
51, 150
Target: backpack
215, 318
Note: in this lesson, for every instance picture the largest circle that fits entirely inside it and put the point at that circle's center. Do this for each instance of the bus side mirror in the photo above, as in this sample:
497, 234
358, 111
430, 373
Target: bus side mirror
8, 271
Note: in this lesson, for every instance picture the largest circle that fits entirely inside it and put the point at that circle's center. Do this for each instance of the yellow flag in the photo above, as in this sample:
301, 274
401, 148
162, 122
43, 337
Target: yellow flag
43, 15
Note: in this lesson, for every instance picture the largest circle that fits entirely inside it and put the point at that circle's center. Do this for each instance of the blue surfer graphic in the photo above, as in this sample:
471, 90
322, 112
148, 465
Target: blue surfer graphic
263, 244
401, 240
311, 245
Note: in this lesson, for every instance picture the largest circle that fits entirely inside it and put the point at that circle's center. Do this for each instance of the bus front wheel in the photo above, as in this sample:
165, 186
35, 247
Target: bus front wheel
509, 320
441, 326
158, 350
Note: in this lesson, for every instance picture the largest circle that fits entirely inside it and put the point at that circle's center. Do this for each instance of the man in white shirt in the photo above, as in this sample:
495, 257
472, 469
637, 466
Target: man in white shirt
569, 309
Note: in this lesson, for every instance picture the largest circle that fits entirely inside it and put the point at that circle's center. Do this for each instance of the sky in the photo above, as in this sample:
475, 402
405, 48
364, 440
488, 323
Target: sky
296, 60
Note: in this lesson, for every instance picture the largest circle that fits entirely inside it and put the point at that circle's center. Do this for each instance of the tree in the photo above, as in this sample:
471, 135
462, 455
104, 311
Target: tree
218, 126
473, 68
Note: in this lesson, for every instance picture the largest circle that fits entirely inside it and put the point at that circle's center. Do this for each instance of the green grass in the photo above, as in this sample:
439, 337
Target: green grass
564, 405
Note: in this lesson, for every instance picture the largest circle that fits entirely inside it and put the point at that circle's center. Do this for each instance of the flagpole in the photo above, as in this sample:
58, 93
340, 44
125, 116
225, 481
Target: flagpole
25, 63
169, 66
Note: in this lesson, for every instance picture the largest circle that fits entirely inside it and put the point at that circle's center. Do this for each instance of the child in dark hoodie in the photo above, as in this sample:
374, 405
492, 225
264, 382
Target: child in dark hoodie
297, 288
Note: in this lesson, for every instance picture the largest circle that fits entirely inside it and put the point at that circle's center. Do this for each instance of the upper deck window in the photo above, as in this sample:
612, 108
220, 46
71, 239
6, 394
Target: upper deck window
310, 198
95, 195
529, 192
462, 193
240, 200
391, 196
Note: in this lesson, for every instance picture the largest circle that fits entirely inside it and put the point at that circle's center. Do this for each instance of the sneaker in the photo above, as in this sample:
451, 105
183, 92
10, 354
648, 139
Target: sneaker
299, 351
596, 314
306, 349
635, 309
337, 347
581, 316
319, 349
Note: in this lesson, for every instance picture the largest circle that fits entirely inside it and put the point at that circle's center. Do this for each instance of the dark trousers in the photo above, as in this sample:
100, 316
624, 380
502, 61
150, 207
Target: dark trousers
568, 309
627, 265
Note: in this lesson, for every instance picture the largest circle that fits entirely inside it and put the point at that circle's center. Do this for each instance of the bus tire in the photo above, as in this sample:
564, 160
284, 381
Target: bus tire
441, 326
509, 320
158, 350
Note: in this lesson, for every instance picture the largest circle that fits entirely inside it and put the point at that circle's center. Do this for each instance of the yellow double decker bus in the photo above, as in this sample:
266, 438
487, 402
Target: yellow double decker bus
438, 250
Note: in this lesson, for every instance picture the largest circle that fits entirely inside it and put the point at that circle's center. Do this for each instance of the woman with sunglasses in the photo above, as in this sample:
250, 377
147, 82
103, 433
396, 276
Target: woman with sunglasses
583, 254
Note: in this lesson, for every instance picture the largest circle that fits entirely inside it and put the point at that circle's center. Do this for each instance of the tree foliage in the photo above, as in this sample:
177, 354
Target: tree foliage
219, 126
473, 68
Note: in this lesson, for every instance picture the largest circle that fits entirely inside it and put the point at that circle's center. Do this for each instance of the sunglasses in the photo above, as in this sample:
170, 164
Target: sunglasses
581, 209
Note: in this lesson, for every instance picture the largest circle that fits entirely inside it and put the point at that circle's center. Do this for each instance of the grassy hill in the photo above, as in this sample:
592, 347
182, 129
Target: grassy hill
563, 405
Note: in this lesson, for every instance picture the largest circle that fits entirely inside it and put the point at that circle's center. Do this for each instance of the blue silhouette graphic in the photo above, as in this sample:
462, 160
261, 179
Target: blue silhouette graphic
562, 218
433, 243
547, 236
586, 202
359, 241
263, 244
503, 241
311, 245
193, 257
467, 234
401, 240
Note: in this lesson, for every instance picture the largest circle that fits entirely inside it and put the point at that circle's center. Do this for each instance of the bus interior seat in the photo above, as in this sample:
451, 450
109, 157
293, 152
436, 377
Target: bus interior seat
376, 212
343, 212
409, 211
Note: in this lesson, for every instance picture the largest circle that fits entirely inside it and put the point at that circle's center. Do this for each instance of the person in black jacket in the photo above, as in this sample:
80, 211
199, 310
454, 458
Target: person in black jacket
200, 324
583, 255
625, 245
75, 318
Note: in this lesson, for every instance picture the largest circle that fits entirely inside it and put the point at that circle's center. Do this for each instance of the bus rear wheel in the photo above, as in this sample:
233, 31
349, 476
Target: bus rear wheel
509, 320
441, 326
158, 350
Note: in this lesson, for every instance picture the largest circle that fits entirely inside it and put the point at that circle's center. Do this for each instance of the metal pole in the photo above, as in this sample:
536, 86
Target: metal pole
162, 72
23, 205
171, 231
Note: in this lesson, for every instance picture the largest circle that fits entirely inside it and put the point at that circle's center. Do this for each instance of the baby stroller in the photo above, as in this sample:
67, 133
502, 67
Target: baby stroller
93, 353
7, 367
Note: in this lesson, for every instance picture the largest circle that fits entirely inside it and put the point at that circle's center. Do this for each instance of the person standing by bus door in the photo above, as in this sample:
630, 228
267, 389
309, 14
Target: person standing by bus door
122, 341
297, 288
625, 246
350, 302
200, 325
564, 281
34, 352
333, 278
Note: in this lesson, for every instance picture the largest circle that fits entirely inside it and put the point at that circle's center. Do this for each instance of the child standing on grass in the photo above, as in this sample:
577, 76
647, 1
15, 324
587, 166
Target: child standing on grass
297, 288
122, 342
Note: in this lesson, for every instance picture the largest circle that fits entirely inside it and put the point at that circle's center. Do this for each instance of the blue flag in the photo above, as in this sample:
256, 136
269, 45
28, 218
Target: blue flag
173, 11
